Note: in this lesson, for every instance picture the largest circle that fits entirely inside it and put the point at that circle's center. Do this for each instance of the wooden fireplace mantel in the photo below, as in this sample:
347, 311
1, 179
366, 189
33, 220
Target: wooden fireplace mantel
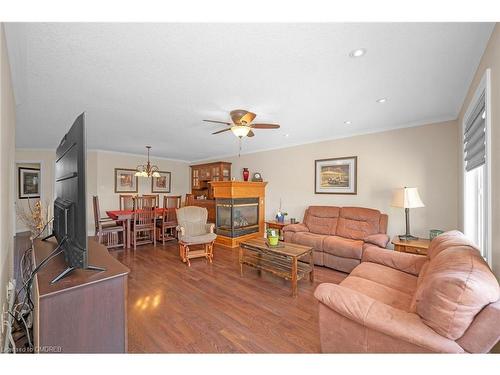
241, 189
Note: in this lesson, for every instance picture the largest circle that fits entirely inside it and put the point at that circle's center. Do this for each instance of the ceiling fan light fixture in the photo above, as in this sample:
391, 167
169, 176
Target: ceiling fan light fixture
240, 130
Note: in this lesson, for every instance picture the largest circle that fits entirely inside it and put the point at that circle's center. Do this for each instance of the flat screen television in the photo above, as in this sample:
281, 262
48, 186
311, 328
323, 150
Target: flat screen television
70, 216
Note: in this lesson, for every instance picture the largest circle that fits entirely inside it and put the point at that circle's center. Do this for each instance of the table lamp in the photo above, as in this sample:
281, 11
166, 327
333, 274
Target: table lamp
407, 198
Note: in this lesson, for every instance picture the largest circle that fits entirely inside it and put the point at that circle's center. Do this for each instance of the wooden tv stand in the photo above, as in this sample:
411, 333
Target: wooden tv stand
85, 312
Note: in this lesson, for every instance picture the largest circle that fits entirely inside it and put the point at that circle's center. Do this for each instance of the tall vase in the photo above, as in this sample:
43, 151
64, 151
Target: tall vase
246, 174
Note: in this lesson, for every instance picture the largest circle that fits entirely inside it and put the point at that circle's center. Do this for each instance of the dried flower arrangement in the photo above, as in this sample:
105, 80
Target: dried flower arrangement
35, 217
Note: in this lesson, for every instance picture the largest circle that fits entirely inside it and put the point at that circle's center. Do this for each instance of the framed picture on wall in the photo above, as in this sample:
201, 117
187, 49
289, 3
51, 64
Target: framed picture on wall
29, 183
125, 180
336, 176
161, 184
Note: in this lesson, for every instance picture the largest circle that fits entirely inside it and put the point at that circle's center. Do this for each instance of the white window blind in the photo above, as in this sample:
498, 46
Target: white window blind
475, 137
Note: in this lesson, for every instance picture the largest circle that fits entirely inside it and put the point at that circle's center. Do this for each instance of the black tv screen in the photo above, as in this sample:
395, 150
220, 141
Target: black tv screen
70, 218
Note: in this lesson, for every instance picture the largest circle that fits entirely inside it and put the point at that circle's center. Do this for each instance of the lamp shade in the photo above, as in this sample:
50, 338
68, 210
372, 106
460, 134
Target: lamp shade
240, 130
407, 197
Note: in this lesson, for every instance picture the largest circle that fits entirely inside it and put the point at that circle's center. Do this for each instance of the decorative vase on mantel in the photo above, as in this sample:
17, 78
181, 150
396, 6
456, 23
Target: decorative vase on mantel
246, 174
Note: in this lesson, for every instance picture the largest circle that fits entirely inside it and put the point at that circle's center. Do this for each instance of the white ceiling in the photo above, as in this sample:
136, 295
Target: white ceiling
154, 83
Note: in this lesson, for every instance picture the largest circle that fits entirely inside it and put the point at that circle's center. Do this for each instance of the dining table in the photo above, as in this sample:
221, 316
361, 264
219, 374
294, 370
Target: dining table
126, 216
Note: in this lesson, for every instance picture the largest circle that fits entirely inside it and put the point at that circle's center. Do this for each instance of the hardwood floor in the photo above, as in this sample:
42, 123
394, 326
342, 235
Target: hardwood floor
212, 309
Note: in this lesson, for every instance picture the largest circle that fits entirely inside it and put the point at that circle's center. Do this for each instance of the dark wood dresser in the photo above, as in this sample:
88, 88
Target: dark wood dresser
85, 312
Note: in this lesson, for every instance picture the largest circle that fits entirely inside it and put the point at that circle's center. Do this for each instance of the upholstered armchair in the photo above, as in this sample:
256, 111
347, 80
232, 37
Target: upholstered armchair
193, 230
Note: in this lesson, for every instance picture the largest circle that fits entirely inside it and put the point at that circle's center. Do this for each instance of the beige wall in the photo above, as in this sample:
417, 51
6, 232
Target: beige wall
100, 176
491, 60
46, 161
7, 141
108, 161
423, 156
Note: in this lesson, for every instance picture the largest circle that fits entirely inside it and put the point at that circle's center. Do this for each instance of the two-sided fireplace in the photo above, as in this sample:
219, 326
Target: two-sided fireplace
237, 216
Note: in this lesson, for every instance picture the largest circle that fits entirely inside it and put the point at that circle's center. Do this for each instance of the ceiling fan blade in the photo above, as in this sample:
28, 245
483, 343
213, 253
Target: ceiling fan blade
219, 122
222, 131
250, 133
265, 126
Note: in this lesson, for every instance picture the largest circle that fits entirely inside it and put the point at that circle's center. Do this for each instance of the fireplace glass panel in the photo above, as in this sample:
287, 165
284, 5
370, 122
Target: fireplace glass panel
237, 217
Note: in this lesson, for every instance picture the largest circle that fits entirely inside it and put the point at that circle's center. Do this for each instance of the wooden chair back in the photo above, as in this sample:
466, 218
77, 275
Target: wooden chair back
144, 210
126, 202
170, 205
156, 196
97, 212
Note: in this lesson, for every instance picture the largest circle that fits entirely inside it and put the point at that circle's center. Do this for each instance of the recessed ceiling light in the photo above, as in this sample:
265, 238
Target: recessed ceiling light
287, 135
381, 100
347, 122
357, 52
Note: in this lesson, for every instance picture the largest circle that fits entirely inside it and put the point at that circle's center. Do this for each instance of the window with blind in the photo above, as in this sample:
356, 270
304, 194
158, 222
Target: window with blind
475, 136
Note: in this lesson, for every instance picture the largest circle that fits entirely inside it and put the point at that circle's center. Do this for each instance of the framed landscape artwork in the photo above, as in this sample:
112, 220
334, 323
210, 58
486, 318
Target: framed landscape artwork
29, 183
161, 184
336, 176
125, 180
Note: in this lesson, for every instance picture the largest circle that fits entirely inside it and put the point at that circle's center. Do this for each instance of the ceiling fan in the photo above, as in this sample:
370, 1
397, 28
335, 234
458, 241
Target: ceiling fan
242, 125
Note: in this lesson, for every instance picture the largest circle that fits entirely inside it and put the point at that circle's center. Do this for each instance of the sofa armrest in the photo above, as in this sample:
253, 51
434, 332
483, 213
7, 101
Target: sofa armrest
181, 230
383, 318
295, 228
210, 227
409, 263
379, 239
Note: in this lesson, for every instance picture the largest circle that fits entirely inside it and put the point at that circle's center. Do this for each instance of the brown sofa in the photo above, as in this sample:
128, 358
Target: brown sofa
338, 235
446, 302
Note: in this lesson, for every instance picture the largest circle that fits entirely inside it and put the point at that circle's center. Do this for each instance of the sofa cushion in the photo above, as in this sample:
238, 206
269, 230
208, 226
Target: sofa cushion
288, 236
421, 275
343, 247
339, 263
357, 222
379, 292
387, 276
318, 258
295, 228
322, 219
457, 284
447, 240
309, 239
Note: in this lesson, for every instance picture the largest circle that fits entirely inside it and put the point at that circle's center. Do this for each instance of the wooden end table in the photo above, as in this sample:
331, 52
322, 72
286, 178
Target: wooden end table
418, 246
283, 261
274, 224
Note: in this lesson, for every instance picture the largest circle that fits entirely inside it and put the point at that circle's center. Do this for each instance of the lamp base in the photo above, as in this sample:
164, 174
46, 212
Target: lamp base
407, 237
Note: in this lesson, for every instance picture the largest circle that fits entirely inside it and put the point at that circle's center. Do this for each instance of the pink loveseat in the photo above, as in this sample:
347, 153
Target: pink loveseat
338, 235
446, 302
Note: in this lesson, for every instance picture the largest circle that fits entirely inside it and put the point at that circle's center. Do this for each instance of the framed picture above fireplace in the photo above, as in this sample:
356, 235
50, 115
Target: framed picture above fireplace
336, 175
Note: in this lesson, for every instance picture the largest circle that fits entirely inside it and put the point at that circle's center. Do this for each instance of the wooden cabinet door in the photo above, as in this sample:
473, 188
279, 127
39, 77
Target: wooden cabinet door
226, 172
195, 179
216, 173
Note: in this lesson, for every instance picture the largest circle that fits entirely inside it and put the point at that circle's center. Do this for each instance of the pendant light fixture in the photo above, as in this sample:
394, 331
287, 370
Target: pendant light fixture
147, 170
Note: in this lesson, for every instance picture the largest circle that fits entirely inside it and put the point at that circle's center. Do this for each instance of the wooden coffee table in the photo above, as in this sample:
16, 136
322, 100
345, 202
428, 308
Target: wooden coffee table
283, 261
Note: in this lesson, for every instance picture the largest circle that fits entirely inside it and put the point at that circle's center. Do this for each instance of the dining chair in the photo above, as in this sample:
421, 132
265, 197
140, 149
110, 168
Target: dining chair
156, 196
143, 221
166, 226
126, 202
107, 231
194, 230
